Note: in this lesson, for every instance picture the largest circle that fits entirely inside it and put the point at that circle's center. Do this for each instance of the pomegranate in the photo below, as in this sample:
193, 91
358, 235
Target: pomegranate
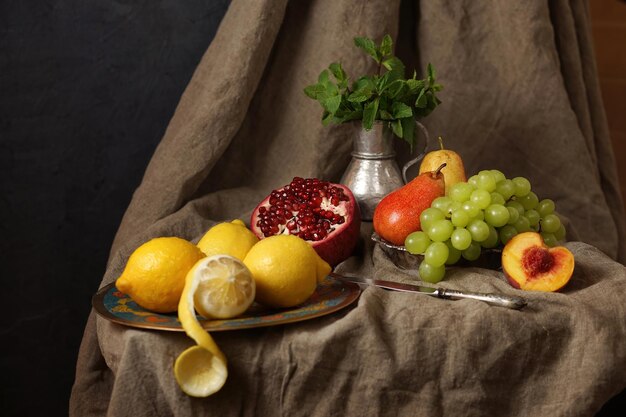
324, 214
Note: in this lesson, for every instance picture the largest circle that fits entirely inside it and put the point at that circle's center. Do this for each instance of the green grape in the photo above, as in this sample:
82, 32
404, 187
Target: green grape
479, 230
431, 273
453, 254
461, 239
522, 224
429, 216
493, 239
479, 216
497, 175
496, 198
545, 207
560, 234
550, 223
513, 215
505, 188
481, 198
497, 215
472, 252
533, 217
473, 180
454, 206
529, 201
460, 218
506, 233
549, 239
436, 254
486, 181
441, 203
516, 205
417, 242
470, 208
522, 186
440, 230
461, 191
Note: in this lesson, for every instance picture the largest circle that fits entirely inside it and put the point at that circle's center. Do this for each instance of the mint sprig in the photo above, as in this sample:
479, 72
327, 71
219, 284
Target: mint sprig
387, 96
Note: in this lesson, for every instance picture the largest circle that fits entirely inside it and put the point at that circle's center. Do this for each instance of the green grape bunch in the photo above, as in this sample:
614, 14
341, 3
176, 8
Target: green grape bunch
483, 213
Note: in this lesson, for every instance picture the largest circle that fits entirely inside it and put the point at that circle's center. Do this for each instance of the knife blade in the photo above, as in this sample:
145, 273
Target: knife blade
499, 300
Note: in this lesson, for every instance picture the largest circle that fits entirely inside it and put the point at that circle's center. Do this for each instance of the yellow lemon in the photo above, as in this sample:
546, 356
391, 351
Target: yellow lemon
233, 239
286, 270
225, 287
154, 275
199, 372
220, 284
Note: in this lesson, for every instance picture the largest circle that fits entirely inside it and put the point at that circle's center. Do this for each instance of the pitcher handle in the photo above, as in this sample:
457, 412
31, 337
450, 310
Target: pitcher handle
419, 157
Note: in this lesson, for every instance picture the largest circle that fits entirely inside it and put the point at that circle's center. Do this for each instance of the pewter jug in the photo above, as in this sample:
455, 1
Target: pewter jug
373, 171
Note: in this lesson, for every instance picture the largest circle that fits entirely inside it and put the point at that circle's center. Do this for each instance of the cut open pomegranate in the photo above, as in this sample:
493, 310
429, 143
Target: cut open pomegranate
322, 213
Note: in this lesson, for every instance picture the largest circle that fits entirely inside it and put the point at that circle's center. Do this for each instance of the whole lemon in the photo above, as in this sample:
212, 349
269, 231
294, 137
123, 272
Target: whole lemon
233, 239
154, 276
286, 270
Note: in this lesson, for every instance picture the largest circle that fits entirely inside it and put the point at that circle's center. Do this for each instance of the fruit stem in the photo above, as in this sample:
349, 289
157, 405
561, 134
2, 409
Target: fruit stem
440, 139
438, 171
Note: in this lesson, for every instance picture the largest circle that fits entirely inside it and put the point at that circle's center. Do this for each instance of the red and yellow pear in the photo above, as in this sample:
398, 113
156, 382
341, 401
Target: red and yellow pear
529, 264
398, 213
453, 172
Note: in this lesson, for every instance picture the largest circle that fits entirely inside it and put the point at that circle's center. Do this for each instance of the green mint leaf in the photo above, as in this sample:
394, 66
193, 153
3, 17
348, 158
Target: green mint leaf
386, 46
401, 110
382, 82
396, 126
415, 85
314, 91
421, 101
360, 96
369, 114
355, 115
394, 64
431, 74
385, 115
395, 88
408, 131
323, 78
337, 71
364, 82
331, 104
326, 118
368, 46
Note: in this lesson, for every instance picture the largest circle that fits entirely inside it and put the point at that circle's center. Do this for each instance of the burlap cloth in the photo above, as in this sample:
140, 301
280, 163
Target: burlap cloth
520, 95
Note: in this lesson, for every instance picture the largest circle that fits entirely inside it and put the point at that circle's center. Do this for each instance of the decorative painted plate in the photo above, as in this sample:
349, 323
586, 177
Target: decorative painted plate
330, 296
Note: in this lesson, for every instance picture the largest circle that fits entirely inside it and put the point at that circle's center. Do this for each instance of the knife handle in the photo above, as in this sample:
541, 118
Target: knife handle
499, 300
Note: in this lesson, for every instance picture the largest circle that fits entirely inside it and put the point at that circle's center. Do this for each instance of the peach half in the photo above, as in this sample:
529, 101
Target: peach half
529, 264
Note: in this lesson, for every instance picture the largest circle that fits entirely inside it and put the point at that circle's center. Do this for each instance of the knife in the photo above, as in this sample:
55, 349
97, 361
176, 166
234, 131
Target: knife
500, 300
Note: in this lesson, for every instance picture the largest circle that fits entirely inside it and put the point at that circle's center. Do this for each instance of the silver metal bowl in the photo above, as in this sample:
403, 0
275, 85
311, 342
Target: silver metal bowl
489, 258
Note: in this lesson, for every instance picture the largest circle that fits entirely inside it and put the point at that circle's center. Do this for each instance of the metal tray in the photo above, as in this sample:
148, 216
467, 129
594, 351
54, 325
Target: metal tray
489, 258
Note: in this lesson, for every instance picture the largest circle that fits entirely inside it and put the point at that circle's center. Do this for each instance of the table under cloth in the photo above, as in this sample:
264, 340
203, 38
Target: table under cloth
520, 95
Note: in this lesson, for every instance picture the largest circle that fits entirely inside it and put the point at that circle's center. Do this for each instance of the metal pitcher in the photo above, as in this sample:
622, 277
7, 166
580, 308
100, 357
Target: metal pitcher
373, 171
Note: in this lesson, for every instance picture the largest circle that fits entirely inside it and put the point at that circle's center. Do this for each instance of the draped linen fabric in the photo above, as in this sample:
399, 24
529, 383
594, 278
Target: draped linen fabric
520, 95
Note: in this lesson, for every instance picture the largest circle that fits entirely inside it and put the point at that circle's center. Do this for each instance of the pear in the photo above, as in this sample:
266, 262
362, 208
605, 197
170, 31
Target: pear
454, 171
398, 213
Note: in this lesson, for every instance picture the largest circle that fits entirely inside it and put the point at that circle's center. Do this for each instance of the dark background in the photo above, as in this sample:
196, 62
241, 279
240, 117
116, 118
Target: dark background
87, 89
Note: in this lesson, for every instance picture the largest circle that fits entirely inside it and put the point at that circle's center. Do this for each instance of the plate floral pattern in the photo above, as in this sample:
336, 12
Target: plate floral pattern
331, 295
